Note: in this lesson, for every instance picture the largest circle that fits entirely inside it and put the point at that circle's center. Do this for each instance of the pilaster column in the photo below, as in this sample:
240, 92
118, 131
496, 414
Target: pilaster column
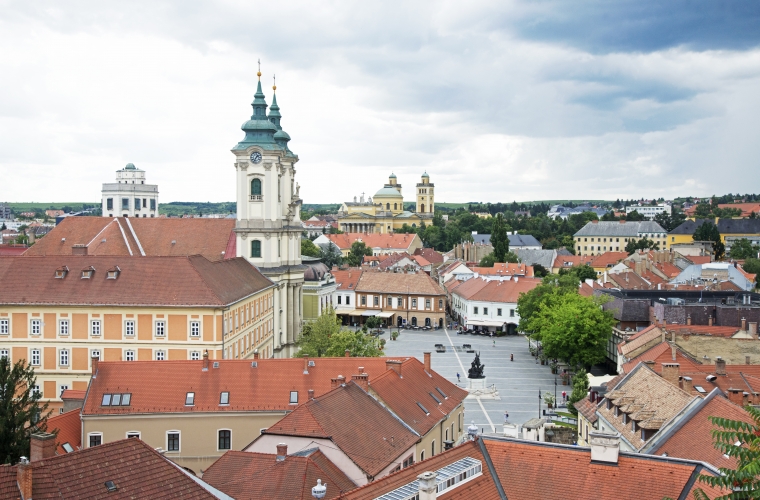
290, 311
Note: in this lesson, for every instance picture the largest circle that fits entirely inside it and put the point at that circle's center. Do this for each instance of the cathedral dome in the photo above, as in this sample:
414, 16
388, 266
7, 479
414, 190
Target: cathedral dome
282, 135
388, 192
259, 125
130, 166
315, 270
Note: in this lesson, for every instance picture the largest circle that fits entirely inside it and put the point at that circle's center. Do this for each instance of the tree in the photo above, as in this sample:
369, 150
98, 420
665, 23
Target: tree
373, 322
635, 216
642, 244
580, 390
573, 328
743, 249
539, 271
529, 304
325, 338
488, 261
357, 253
308, 248
752, 266
709, 232
583, 273
740, 440
21, 413
3, 228
330, 255
512, 258
499, 239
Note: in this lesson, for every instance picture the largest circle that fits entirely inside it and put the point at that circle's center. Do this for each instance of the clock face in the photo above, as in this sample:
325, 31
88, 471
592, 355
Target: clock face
255, 157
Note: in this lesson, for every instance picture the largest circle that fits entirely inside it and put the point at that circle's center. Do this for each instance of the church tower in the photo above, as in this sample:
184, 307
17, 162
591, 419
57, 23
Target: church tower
268, 227
425, 197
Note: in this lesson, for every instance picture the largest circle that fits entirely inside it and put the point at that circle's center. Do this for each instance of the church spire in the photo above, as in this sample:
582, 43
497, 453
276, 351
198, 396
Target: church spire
259, 103
274, 109
259, 130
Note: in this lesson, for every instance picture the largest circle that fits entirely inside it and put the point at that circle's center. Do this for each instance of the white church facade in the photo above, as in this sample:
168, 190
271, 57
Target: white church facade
129, 196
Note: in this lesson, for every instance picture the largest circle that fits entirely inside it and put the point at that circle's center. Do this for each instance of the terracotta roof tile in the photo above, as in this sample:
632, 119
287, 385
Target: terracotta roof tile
505, 269
68, 429
389, 241
399, 283
11, 250
341, 415
8, 483
608, 259
346, 280
165, 281
699, 259
430, 255
586, 408
507, 291
73, 394
714, 330
252, 476
640, 339
161, 386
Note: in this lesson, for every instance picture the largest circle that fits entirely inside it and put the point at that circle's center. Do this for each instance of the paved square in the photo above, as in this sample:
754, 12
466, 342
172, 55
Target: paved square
518, 381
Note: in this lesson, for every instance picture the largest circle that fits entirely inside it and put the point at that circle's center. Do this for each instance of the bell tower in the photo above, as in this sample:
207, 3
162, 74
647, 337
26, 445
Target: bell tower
425, 197
268, 226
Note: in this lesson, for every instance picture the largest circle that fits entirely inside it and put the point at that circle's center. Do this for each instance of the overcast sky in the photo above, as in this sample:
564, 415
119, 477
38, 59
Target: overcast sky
497, 101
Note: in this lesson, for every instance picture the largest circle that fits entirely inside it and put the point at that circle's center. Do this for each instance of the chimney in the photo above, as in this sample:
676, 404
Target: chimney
428, 485
282, 452
710, 320
333, 383
24, 478
79, 249
605, 447
392, 364
95, 361
42, 446
306, 365
745, 398
744, 324
341, 380
673, 336
362, 380
426, 357
347, 354
753, 328
663, 337
735, 396
720, 366
671, 372
255, 354
687, 384
311, 393
205, 360
688, 319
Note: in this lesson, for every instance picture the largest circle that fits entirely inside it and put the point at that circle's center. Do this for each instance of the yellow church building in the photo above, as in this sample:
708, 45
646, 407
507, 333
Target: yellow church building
385, 211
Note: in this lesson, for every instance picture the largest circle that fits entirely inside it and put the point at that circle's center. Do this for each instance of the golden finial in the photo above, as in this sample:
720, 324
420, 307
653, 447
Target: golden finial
259, 72
274, 83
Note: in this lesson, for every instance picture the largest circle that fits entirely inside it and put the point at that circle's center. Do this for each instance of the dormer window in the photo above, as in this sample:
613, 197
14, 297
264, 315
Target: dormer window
113, 273
87, 273
61, 272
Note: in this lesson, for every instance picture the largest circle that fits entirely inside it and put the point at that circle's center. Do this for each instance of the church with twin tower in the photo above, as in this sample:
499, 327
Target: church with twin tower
268, 227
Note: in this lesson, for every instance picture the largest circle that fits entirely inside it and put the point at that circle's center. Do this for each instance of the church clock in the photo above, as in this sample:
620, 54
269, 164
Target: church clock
255, 157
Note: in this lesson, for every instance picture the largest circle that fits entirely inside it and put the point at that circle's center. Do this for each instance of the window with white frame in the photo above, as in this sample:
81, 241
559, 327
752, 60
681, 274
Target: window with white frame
129, 355
160, 355
414, 303
4, 326
511, 313
95, 327
133, 434
498, 312
63, 389
475, 310
4, 353
195, 328
63, 357
485, 310
225, 439
172, 441
427, 303
129, 328
35, 357
95, 439
161, 328
63, 327
36, 327
95, 353
195, 355
36, 391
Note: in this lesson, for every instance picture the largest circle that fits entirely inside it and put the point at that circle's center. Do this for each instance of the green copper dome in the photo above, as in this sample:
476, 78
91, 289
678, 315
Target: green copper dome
388, 192
130, 166
393, 176
426, 175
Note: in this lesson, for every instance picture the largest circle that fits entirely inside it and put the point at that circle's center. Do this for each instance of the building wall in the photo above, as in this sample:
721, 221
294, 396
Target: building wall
465, 310
453, 423
596, 245
198, 432
113, 343
406, 310
584, 428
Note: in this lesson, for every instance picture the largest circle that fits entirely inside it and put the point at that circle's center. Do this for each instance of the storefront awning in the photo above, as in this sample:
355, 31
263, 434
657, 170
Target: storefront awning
385, 314
355, 313
481, 322
346, 312
369, 313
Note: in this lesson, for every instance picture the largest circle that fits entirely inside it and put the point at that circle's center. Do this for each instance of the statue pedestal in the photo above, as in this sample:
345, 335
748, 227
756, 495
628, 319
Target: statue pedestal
478, 389
478, 384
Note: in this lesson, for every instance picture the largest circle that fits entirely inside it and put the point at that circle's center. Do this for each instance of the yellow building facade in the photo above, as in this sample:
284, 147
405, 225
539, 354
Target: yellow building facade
384, 212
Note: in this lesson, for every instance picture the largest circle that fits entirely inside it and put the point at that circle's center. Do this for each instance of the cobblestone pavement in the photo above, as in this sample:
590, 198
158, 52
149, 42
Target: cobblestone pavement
518, 381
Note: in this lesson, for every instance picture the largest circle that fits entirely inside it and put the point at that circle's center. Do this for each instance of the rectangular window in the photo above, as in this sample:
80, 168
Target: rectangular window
414, 303
190, 399
137, 203
96, 440
95, 353
63, 327
4, 353
224, 398
390, 301
4, 326
125, 203
440, 303
129, 328
195, 328
485, 310
145, 202
498, 312
64, 388
376, 301
511, 313
293, 397
427, 303
35, 357
160, 355
129, 355
348, 300
152, 203
63, 357
95, 327
109, 203
225, 439
160, 328
36, 327
134, 434
364, 300
474, 310
339, 299
195, 355
172, 441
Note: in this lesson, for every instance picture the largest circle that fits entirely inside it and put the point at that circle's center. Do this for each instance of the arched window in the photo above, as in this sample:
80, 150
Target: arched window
422, 208
387, 206
395, 206
255, 248
256, 187
414, 320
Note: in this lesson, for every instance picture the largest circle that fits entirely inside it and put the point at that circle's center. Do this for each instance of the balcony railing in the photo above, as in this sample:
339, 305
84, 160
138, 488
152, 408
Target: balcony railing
256, 197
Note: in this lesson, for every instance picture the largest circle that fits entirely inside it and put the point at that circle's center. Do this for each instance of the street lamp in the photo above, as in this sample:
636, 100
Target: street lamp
556, 403
539, 403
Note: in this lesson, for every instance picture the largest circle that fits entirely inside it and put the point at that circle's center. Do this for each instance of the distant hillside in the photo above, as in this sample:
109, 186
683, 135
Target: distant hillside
179, 208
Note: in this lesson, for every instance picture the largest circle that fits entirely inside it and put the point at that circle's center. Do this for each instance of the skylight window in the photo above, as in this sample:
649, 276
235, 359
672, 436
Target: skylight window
111, 486
224, 398
106, 400
60, 273
441, 393
216, 364
116, 399
433, 396
87, 273
423, 408
113, 273
294, 397
67, 447
700, 389
190, 399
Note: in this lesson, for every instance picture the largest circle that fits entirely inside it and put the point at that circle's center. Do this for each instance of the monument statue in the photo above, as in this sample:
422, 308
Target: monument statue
476, 369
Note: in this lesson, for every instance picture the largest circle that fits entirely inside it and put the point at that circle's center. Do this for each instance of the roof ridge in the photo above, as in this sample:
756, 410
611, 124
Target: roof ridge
190, 258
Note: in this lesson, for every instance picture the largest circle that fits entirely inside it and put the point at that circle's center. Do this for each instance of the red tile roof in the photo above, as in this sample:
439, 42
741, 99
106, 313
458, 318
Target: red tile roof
505, 269
251, 476
715, 331
68, 429
402, 393
161, 386
11, 250
137, 470
9, 483
157, 236
73, 394
165, 281
608, 259
430, 255
699, 259
668, 269
342, 415
693, 437
389, 241
586, 408
572, 260
629, 281
399, 283
346, 280
507, 291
